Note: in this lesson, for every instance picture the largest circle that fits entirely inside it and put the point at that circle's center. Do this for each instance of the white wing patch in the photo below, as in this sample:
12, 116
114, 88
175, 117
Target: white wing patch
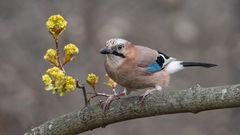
174, 67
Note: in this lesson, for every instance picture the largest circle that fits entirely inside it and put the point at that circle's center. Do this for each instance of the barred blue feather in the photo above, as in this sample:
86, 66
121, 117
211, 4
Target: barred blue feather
155, 67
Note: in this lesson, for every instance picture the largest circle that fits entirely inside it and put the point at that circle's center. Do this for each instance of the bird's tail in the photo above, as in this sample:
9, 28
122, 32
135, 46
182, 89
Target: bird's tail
198, 64
176, 66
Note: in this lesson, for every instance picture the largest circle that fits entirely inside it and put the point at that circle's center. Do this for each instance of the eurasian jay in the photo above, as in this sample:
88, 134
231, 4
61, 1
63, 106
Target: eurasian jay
137, 67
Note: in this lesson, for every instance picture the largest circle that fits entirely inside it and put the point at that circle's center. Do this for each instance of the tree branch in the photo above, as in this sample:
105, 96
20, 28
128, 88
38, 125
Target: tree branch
193, 100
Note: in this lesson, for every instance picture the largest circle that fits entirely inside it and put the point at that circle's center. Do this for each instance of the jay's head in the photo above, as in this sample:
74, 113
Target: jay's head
116, 47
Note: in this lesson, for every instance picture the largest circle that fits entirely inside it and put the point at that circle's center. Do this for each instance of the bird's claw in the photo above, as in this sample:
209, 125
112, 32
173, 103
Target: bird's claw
143, 96
106, 104
141, 99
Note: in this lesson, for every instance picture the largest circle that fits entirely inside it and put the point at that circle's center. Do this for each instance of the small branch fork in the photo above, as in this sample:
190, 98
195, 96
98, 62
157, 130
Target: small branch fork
94, 94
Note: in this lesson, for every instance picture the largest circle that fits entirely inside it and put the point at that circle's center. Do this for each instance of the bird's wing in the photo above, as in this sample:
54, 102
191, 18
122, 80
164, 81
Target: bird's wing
151, 60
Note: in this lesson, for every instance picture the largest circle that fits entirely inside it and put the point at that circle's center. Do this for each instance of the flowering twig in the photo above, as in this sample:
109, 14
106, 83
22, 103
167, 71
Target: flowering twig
92, 80
55, 78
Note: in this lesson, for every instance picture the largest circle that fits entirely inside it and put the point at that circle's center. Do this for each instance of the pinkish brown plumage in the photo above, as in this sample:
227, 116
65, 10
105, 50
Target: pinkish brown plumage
130, 72
137, 67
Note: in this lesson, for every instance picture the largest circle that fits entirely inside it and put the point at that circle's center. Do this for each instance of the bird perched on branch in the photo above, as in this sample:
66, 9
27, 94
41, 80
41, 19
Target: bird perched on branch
137, 67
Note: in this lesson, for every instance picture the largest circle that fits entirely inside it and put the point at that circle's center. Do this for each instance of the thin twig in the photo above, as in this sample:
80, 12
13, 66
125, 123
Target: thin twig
100, 94
97, 94
58, 55
84, 92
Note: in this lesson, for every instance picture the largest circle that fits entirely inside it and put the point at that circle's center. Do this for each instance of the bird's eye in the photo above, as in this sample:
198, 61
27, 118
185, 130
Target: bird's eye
120, 47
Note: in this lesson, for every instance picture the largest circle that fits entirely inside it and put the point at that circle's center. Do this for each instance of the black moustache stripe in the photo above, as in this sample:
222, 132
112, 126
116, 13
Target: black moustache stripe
118, 54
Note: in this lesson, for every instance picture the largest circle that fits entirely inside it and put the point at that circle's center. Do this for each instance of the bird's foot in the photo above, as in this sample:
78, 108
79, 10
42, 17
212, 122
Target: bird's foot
148, 92
143, 96
106, 104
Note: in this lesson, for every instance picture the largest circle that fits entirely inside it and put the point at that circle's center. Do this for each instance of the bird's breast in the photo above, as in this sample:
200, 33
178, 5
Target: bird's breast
123, 74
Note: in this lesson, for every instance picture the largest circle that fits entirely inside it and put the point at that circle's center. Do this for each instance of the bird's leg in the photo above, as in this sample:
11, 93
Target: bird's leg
106, 104
143, 96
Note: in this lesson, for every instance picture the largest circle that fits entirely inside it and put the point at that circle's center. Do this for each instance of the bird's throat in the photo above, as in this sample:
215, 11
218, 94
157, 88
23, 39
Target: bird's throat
114, 61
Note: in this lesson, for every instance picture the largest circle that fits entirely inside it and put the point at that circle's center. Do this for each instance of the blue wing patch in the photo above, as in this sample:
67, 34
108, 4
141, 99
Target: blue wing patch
158, 64
155, 67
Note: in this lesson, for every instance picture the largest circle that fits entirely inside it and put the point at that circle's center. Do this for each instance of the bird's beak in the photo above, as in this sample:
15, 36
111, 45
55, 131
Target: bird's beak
105, 51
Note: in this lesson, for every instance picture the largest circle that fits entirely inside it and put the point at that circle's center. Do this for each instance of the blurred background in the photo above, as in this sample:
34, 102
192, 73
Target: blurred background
204, 30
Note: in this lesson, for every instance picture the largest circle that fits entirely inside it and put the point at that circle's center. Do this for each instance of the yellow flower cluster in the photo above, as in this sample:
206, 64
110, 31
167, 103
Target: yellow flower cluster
56, 24
70, 83
55, 80
47, 81
111, 83
92, 80
69, 51
51, 56
56, 73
